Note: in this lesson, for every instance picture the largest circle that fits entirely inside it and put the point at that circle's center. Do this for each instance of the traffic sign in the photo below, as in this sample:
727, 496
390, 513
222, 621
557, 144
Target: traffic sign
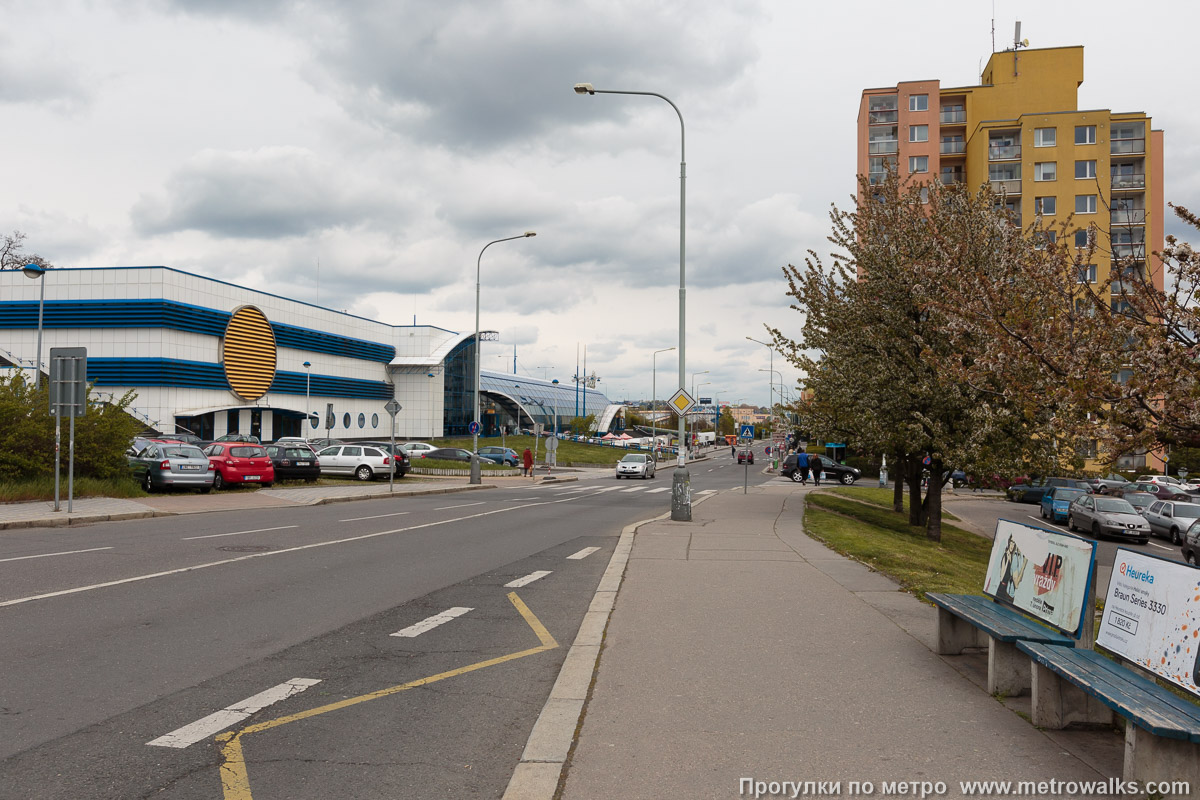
746, 432
474, 428
68, 381
392, 407
681, 402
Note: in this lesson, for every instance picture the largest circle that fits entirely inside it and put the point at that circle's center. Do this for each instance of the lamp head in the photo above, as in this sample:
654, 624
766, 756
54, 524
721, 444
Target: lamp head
555, 381
584, 88
307, 364
528, 234
428, 374
33, 270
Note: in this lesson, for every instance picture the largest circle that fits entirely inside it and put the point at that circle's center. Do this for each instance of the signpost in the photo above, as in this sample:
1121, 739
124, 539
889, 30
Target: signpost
392, 408
68, 396
551, 453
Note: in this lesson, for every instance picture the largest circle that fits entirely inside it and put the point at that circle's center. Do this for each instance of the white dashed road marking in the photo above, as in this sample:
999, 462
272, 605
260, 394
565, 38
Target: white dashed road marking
227, 717
64, 553
1160, 546
464, 505
707, 491
528, 579
432, 622
584, 553
634, 489
377, 516
239, 533
659, 489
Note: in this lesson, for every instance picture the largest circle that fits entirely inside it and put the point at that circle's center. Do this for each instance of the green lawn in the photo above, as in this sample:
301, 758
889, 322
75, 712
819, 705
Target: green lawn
43, 489
878, 497
883, 539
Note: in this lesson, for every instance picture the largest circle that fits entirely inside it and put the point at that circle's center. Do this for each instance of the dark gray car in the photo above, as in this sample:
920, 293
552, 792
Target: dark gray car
1107, 516
162, 465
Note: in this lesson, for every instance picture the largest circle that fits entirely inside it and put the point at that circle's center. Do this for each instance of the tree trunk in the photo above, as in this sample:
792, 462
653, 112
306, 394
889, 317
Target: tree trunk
916, 512
898, 490
933, 503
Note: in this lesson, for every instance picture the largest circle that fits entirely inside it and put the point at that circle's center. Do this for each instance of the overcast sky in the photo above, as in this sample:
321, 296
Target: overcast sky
388, 142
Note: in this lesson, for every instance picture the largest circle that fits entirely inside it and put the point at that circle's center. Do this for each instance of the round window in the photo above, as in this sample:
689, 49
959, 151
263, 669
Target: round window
374, 420
314, 421
362, 420
346, 420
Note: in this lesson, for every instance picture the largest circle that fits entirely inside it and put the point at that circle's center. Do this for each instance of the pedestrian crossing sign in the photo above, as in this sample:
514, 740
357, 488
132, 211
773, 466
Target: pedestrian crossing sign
746, 432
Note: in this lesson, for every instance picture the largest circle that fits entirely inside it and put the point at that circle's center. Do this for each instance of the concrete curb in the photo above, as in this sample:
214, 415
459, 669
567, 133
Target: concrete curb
549, 746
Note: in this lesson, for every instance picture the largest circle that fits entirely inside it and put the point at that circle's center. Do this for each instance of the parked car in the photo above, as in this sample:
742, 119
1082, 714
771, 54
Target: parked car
745, 456
239, 462
500, 455
788, 468
320, 444
1108, 483
1056, 502
636, 465
416, 448
446, 454
1171, 519
1032, 492
283, 440
172, 464
1103, 515
1140, 501
398, 455
188, 438
237, 437
1191, 544
1163, 491
295, 461
363, 462
1159, 479
833, 471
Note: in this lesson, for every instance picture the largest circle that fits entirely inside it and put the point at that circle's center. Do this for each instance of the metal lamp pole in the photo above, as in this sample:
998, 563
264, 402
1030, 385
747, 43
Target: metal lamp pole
694, 385
476, 478
772, 349
694, 374
37, 271
654, 394
307, 395
681, 481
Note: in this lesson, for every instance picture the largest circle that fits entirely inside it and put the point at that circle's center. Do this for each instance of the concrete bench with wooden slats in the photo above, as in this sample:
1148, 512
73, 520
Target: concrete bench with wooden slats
1069, 685
966, 620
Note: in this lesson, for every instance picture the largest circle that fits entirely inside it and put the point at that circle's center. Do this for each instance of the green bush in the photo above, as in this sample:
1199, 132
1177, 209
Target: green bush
27, 434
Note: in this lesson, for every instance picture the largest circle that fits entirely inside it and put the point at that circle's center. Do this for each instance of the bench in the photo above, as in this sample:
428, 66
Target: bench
966, 620
1162, 739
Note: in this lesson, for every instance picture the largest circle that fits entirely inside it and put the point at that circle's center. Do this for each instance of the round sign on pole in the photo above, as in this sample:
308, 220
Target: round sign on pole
926, 461
473, 428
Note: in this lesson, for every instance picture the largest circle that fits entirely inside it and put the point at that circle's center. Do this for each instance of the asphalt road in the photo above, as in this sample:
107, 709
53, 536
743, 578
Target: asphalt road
121, 634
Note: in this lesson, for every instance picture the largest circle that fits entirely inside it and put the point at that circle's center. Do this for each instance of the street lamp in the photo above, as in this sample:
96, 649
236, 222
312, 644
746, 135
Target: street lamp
654, 394
772, 349
431, 419
475, 475
681, 482
307, 395
702, 383
35, 272
780, 374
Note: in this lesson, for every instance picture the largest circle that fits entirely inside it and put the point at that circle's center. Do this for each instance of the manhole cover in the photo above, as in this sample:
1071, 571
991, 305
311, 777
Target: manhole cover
245, 548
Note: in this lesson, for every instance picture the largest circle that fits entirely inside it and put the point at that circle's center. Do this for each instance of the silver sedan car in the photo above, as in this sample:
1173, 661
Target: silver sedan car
165, 465
1112, 516
636, 465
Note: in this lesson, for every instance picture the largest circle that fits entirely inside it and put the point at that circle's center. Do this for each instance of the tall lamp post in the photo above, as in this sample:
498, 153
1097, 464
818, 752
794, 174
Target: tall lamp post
475, 473
694, 397
772, 349
307, 395
654, 394
36, 272
702, 383
681, 482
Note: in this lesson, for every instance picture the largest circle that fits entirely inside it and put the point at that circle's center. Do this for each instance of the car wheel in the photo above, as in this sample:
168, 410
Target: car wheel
796, 477
363, 473
218, 481
1070, 522
1190, 557
1043, 512
847, 478
148, 484
1143, 541
1175, 538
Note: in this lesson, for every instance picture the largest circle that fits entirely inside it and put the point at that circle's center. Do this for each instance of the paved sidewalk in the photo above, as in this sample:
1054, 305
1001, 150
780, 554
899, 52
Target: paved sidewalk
739, 648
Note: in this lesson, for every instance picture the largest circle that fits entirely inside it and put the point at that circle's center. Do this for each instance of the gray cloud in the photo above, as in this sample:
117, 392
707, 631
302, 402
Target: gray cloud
39, 79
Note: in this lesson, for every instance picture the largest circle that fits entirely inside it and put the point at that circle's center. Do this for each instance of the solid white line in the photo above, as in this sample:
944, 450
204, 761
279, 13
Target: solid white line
584, 553
659, 489
377, 516
707, 491
1160, 546
528, 579
430, 623
268, 553
464, 505
64, 553
227, 717
239, 533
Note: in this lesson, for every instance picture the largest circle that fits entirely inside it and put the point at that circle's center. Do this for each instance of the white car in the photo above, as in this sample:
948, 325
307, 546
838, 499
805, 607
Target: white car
363, 462
415, 449
636, 465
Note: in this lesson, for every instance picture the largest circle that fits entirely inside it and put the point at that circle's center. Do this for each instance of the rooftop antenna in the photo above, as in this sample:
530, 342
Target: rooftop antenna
993, 26
1018, 43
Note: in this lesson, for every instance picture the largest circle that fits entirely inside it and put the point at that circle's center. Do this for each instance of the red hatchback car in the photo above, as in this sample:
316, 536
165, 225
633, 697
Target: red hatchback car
237, 462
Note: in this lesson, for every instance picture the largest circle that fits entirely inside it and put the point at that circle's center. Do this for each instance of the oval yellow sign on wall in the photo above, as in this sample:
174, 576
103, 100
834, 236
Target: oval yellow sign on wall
248, 353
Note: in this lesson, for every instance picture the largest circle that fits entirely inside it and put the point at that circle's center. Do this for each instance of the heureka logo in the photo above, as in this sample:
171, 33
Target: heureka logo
1133, 573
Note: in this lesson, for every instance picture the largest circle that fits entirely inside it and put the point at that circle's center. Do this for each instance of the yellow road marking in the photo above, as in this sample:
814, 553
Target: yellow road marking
235, 781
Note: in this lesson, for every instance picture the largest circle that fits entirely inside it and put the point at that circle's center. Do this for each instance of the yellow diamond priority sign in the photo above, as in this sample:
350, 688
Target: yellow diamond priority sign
682, 402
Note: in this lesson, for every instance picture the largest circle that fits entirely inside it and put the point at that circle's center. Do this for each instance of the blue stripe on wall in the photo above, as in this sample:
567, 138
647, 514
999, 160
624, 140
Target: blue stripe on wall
201, 375
180, 317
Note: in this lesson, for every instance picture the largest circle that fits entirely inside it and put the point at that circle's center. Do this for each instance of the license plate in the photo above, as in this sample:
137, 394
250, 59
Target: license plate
303, 463
252, 477
189, 467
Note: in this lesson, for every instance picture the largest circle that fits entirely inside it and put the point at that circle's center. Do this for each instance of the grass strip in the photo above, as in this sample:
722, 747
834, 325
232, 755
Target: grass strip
43, 489
883, 540
879, 497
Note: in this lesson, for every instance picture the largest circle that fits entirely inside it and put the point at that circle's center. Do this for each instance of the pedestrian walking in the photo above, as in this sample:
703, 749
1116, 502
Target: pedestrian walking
802, 467
733, 451
527, 463
816, 470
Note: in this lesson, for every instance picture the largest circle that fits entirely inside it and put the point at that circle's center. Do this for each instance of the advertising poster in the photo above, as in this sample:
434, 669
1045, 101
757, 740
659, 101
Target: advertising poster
1043, 573
1151, 616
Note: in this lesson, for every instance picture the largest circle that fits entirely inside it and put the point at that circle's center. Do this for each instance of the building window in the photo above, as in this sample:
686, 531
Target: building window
346, 420
1043, 238
1045, 137
918, 102
1085, 134
924, 194
1081, 238
1087, 273
918, 163
918, 133
374, 420
1085, 204
1045, 171
233, 419
1045, 206
1085, 169
362, 420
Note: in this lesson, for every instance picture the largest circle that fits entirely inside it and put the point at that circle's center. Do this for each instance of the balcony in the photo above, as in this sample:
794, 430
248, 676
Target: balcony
1004, 152
1126, 182
951, 178
1127, 146
882, 117
952, 148
1132, 252
1128, 216
1008, 187
876, 177
953, 117
883, 147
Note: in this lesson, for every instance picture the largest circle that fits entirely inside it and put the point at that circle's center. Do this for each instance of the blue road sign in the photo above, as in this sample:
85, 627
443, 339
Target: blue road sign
746, 432
473, 428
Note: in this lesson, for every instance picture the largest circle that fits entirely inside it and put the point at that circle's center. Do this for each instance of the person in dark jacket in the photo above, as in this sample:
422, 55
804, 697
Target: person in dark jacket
802, 466
527, 463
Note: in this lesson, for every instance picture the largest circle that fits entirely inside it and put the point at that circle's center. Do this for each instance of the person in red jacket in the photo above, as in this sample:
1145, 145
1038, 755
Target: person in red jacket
527, 463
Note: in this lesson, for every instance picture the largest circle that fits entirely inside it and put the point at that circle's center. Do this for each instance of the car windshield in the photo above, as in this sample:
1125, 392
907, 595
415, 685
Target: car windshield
246, 452
636, 458
298, 452
182, 452
1114, 505
1068, 494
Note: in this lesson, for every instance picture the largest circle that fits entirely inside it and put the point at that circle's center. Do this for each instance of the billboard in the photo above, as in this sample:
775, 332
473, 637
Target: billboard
1151, 616
1046, 574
